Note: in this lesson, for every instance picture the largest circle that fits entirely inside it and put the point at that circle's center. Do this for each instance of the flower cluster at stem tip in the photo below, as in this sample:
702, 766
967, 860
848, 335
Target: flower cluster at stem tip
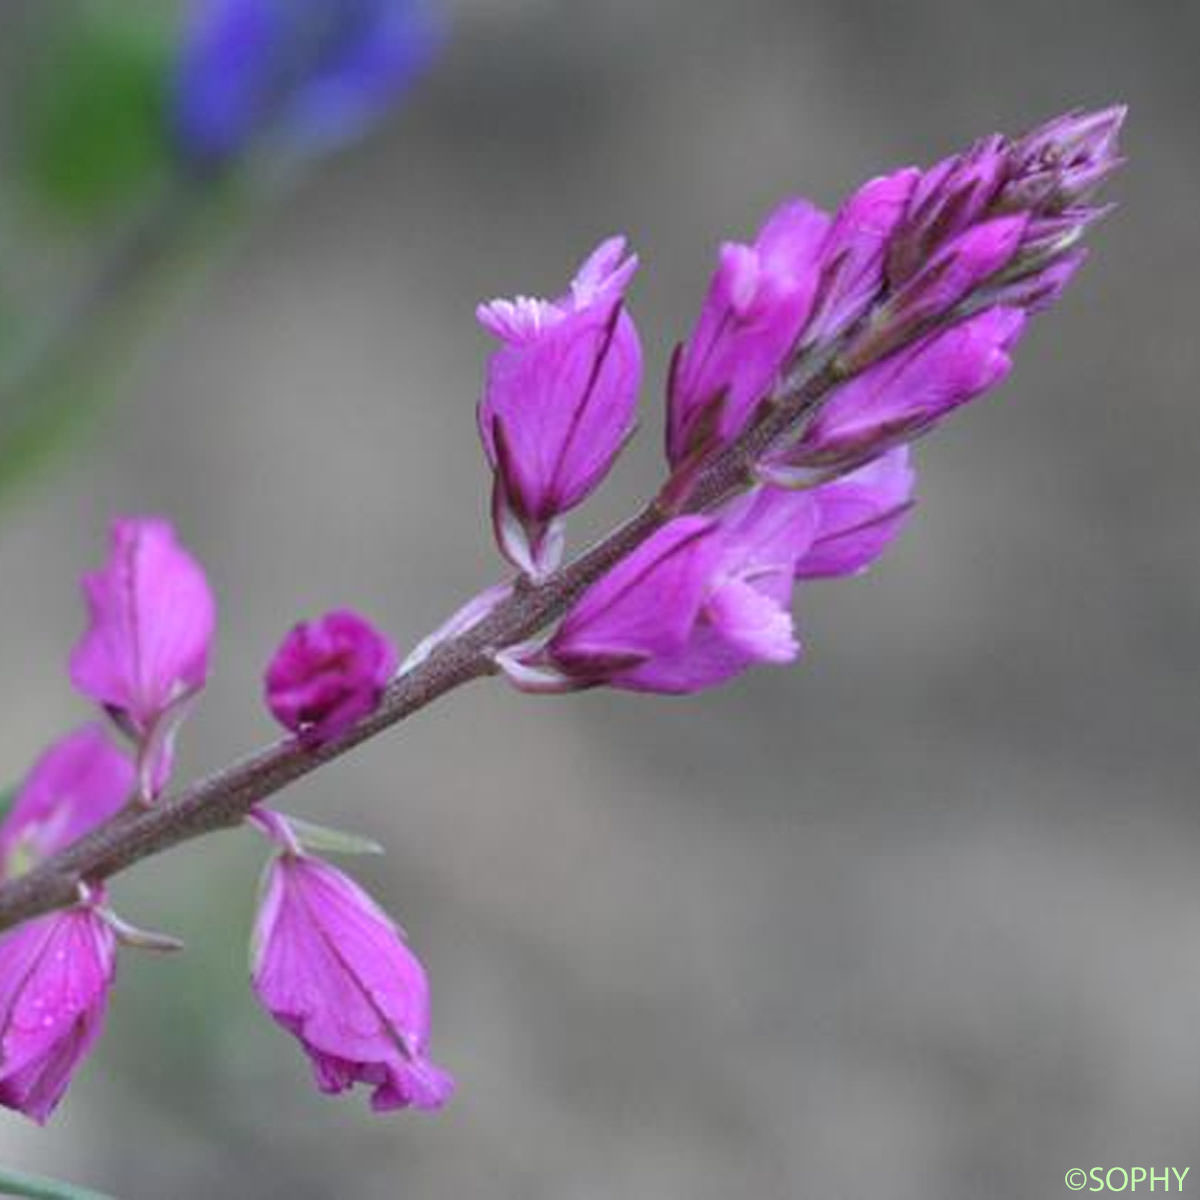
906, 303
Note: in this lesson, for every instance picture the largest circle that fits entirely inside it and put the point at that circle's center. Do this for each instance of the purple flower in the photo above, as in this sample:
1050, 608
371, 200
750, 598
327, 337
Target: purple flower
697, 603
308, 74
858, 516
644, 608
853, 257
77, 784
327, 674
55, 973
152, 616
757, 305
558, 402
904, 394
330, 966
744, 616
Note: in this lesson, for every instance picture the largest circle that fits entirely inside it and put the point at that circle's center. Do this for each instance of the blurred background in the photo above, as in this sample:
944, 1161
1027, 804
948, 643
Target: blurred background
918, 919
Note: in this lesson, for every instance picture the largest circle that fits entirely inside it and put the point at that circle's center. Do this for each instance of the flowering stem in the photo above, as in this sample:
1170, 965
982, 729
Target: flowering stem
224, 799
16, 1183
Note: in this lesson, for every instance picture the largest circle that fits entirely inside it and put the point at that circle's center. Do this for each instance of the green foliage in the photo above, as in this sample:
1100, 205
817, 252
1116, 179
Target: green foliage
7, 796
97, 129
16, 1183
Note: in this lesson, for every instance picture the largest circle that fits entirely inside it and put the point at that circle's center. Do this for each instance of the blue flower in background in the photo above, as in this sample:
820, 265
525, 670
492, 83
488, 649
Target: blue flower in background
305, 74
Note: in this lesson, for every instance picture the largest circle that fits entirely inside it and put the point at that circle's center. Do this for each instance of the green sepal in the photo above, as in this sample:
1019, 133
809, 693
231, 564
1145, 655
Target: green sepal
37, 1187
322, 839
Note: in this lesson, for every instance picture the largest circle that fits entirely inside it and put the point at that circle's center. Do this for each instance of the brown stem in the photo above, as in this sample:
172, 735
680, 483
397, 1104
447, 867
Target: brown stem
224, 798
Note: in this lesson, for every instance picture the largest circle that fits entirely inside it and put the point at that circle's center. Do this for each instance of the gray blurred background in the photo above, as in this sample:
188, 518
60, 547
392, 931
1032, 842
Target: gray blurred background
917, 919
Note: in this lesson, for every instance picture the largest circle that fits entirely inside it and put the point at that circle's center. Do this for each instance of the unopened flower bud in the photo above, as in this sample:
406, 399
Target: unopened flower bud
904, 394
327, 674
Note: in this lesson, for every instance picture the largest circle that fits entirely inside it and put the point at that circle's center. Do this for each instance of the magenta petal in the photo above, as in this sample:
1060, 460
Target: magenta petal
706, 660
152, 616
559, 397
332, 968
77, 784
55, 973
765, 532
852, 259
904, 394
746, 588
958, 269
753, 622
646, 605
757, 304
858, 516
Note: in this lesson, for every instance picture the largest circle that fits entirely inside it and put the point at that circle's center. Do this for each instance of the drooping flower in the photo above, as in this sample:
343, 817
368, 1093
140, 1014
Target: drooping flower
558, 402
332, 968
904, 394
55, 973
303, 74
757, 304
77, 784
152, 616
327, 674
858, 516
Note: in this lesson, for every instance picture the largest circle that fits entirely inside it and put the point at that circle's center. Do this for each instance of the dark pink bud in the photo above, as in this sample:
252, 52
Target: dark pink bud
55, 973
332, 968
327, 674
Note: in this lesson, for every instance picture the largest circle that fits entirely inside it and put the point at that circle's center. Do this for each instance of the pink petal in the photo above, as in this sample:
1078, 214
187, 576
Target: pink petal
152, 616
76, 785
